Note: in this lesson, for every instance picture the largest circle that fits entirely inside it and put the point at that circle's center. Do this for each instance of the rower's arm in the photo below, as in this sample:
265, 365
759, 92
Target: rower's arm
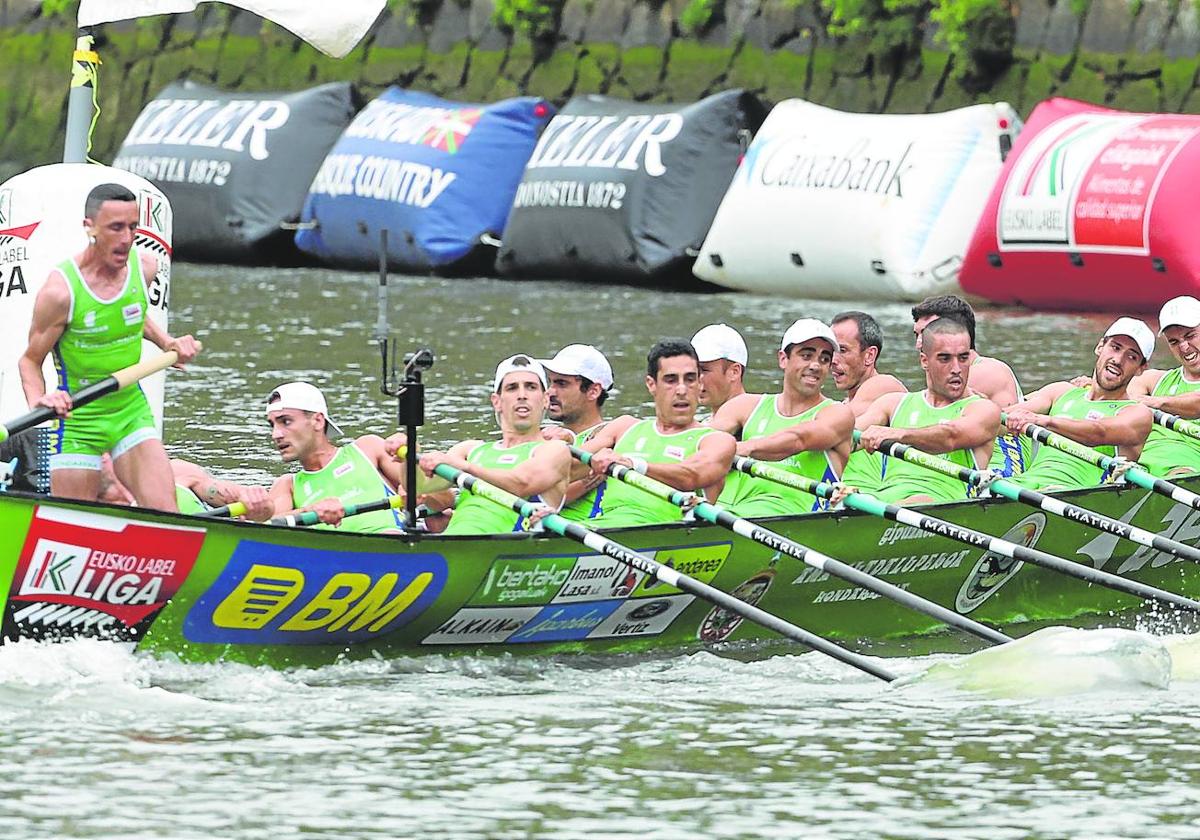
1144, 383
703, 470
1127, 429
880, 412
428, 482
732, 416
832, 426
50, 311
1185, 405
877, 386
605, 438
975, 427
545, 472
281, 496
992, 378
1041, 400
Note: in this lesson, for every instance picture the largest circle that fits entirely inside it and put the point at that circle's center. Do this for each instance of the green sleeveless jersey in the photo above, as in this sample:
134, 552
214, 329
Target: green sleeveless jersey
473, 515
1058, 470
187, 501
865, 471
625, 505
101, 337
753, 496
352, 478
1012, 453
904, 479
1166, 450
589, 505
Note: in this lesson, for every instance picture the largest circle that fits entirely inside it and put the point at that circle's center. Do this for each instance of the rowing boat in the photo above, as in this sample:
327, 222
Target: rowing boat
204, 590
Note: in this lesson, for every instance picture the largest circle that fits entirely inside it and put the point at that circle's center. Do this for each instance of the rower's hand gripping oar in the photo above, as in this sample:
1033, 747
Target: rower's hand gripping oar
752, 531
602, 544
110, 384
1134, 474
907, 516
1039, 500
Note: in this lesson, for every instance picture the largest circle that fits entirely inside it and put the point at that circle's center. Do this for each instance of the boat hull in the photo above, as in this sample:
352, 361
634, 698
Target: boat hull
205, 590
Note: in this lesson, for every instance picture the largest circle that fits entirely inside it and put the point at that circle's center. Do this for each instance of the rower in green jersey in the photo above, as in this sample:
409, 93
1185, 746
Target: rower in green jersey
522, 462
670, 447
330, 477
944, 419
723, 358
860, 341
91, 313
808, 433
579, 380
991, 378
1101, 415
1170, 454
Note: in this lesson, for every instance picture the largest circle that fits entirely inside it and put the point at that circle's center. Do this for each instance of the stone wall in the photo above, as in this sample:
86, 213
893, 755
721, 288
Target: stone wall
1139, 56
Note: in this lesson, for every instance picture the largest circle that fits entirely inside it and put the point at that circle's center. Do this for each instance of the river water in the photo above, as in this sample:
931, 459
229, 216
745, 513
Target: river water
99, 742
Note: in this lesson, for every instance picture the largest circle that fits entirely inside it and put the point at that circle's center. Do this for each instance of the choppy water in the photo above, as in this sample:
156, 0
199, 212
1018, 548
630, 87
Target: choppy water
99, 742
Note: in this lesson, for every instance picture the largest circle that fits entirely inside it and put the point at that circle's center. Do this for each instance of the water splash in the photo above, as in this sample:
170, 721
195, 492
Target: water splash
1057, 661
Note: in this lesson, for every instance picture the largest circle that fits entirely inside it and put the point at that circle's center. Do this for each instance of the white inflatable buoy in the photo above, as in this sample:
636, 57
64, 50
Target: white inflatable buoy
41, 224
1056, 661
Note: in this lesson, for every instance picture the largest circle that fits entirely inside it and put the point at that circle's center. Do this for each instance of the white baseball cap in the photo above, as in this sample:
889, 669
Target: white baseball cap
581, 360
1182, 311
518, 363
807, 329
1137, 330
304, 397
720, 341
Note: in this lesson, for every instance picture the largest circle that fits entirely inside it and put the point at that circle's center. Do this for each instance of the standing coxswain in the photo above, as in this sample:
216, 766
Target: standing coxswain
800, 427
92, 314
330, 476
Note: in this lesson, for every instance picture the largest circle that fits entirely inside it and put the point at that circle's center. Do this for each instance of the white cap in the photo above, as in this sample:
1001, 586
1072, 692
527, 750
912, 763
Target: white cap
519, 362
1137, 330
807, 329
581, 360
720, 341
1182, 311
304, 397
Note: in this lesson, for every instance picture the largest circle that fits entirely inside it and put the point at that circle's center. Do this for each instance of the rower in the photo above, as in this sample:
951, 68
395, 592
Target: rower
860, 343
579, 381
1169, 454
990, 378
330, 476
800, 427
521, 462
723, 358
92, 313
1102, 414
944, 419
671, 447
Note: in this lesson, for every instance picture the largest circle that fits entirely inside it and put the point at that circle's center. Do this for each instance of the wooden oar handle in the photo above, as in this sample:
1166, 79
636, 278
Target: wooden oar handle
127, 376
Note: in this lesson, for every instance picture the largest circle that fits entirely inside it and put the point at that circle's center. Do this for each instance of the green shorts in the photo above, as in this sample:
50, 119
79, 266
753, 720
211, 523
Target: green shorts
113, 424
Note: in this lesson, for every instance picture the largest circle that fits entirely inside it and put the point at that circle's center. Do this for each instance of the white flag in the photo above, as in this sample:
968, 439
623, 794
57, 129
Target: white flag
332, 27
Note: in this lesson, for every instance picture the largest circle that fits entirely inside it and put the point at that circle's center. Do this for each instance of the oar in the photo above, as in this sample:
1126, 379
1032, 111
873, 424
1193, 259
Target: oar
121, 379
753, 531
306, 518
1039, 500
665, 574
1134, 475
1175, 423
941, 527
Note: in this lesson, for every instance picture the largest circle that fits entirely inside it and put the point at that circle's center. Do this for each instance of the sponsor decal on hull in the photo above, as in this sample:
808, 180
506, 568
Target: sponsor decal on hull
314, 597
994, 570
82, 573
719, 624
